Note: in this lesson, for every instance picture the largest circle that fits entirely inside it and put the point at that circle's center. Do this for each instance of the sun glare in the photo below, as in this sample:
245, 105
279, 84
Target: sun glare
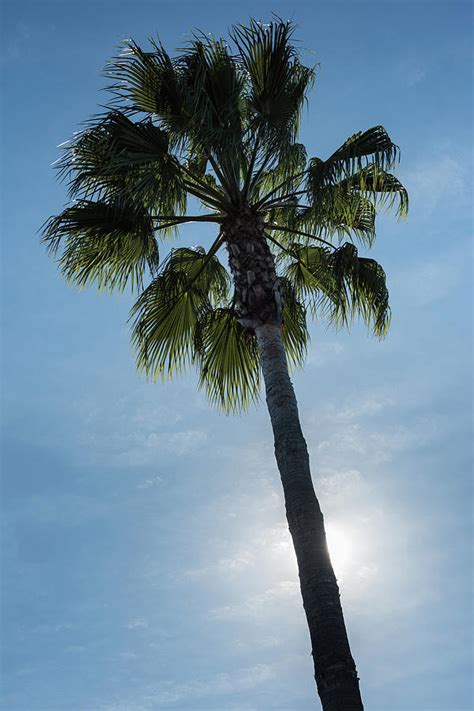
340, 548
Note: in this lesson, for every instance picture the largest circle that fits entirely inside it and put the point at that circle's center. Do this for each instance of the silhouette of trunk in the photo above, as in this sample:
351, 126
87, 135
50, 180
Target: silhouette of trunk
334, 667
259, 307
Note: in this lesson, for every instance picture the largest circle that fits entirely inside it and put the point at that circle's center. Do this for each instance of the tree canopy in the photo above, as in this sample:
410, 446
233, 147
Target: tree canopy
219, 123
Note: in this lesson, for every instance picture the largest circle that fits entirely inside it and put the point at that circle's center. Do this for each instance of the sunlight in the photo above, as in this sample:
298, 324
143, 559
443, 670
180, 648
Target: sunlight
341, 548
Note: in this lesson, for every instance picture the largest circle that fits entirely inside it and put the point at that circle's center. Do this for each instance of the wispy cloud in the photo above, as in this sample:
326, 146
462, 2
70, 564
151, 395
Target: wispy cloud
323, 352
415, 75
131, 433
138, 623
440, 180
426, 282
259, 605
169, 693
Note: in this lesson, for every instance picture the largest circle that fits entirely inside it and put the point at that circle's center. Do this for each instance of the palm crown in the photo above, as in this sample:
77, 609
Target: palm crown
219, 123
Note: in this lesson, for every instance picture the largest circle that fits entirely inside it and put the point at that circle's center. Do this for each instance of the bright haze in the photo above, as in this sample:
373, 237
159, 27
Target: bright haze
146, 561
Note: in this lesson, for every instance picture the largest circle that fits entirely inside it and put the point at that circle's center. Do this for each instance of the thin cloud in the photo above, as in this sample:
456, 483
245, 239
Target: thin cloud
442, 181
169, 693
260, 605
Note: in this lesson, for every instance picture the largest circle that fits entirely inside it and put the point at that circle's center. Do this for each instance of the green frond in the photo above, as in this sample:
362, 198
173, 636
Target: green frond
384, 189
213, 80
373, 146
166, 315
109, 244
360, 289
228, 361
326, 193
340, 285
150, 82
294, 331
116, 157
308, 270
277, 81
342, 213
202, 268
213, 84
195, 96
288, 173
220, 124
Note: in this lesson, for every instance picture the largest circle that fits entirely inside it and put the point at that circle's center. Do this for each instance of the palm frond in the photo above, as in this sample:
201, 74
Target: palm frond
360, 288
288, 174
115, 156
384, 189
340, 285
373, 146
109, 244
213, 84
151, 82
308, 270
277, 81
370, 182
228, 360
294, 330
342, 213
166, 314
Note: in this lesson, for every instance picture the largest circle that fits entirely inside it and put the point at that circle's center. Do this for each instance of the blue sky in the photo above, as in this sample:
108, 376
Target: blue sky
146, 563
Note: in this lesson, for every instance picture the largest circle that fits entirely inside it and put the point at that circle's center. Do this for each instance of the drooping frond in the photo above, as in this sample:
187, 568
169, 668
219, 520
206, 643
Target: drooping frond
109, 244
307, 269
370, 182
345, 214
373, 146
294, 330
228, 360
166, 314
360, 289
384, 189
341, 285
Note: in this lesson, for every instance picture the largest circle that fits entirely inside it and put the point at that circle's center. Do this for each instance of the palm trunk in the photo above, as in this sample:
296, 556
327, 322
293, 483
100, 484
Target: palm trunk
335, 671
259, 307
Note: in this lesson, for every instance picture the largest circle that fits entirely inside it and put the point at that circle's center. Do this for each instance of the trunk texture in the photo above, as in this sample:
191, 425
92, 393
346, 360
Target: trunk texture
257, 291
335, 671
259, 307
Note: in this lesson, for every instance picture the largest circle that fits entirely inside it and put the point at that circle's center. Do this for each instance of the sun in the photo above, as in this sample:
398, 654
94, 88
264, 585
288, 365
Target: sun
340, 548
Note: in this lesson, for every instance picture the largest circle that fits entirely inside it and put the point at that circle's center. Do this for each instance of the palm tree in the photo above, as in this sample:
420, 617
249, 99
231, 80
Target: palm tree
218, 123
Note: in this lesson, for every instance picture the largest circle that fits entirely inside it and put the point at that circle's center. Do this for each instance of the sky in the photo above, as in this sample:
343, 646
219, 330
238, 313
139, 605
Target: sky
146, 562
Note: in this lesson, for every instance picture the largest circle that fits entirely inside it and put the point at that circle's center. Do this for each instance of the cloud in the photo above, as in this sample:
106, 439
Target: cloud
171, 692
323, 352
442, 180
424, 283
131, 433
138, 623
139, 449
149, 483
358, 428
415, 76
259, 605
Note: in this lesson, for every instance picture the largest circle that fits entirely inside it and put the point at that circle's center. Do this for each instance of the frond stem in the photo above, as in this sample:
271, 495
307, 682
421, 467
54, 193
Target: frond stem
253, 158
201, 183
202, 196
279, 187
215, 217
298, 232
